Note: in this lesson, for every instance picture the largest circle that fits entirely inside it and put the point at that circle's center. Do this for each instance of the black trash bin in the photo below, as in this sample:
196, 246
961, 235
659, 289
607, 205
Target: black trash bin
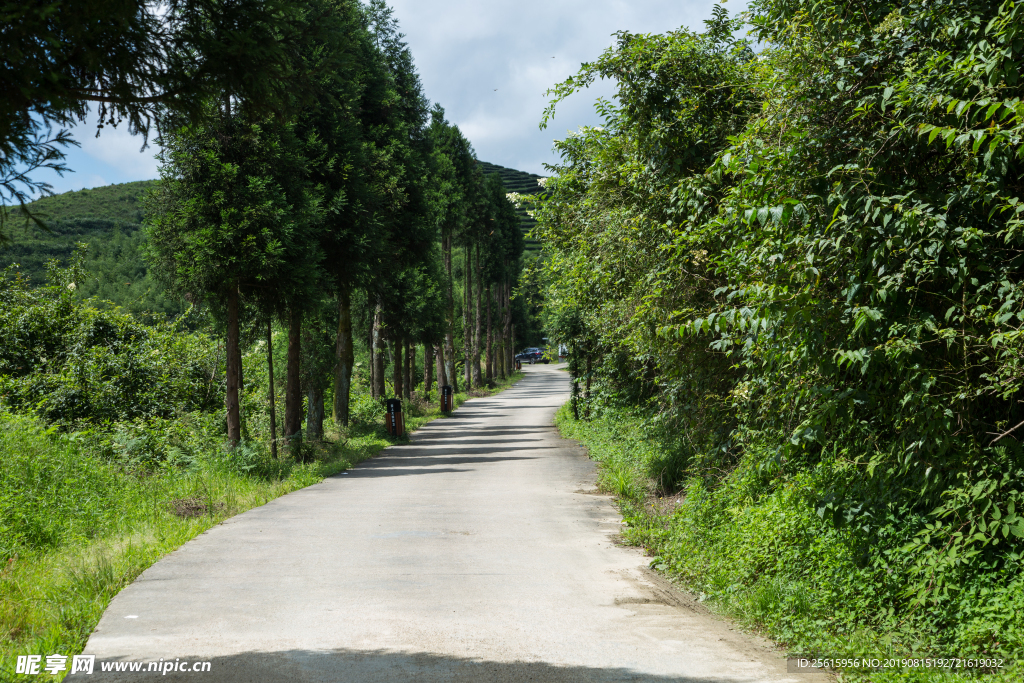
447, 399
519, 365
394, 420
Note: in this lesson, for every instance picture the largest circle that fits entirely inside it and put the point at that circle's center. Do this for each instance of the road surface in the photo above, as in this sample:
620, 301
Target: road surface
479, 552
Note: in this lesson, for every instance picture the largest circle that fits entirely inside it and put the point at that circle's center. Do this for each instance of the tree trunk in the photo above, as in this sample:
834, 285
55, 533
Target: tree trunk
396, 366
377, 346
243, 428
448, 353
586, 396
510, 350
344, 350
273, 395
467, 330
293, 390
478, 321
442, 368
428, 368
499, 339
410, 361
490, 339
574, 369
373, 362
315, 412
233, 367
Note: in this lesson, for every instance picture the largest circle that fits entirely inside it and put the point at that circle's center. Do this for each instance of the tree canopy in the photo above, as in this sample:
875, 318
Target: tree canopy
135, 61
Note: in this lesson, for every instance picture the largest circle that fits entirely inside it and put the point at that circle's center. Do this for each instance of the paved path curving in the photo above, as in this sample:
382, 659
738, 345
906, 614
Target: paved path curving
476, 553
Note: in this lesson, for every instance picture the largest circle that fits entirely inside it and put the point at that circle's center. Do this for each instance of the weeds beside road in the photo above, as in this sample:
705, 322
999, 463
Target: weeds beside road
77, 526
761, 555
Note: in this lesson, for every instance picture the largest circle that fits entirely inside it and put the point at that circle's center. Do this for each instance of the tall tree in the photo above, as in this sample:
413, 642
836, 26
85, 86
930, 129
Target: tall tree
398, 164
504, 247
453, 166
230, 220
348, 80
137, 61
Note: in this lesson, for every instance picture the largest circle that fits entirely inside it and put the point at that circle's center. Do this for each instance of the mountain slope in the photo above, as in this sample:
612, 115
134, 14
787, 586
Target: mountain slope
523, 183
108, 220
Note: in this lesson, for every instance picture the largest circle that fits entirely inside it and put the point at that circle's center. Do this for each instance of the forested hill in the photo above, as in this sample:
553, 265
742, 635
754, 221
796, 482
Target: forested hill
117, 203
523, 183
107, 219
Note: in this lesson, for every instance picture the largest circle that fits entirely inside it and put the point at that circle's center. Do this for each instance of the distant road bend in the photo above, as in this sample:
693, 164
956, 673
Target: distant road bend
476, 553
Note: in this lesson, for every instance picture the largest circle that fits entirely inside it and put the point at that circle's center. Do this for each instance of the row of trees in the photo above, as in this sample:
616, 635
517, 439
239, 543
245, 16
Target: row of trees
130, 61
358, 187
301, 166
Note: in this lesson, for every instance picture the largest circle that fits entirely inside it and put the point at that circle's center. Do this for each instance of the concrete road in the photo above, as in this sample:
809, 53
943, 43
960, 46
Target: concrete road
479, 552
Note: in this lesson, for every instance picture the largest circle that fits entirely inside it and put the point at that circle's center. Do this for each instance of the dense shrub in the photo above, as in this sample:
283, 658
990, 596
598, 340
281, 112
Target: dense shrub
754, 545
75, 364
804, 266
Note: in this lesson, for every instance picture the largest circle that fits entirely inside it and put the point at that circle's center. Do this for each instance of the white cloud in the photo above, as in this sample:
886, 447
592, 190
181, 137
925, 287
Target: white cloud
113, 157
465, 50
487, 63
118, 149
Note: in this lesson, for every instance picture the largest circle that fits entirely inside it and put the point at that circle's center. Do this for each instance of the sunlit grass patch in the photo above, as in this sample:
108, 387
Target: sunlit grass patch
76, 527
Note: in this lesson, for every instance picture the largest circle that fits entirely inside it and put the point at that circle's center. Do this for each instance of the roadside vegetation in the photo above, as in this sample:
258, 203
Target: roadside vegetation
82, 519
113, 453
787, 271
179, 351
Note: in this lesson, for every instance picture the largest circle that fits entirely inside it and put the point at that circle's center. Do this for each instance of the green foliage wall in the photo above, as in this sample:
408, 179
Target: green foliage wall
76, 365
806, 262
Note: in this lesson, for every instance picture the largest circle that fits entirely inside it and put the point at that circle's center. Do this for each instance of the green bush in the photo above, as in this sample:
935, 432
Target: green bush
790, 285
74, 364
765, 550
366, 409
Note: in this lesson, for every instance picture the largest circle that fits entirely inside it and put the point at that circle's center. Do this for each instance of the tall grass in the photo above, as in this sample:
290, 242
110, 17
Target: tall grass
77, 526
756, 550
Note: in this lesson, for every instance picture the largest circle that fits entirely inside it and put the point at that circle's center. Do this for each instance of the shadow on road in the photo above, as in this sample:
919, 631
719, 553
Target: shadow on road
397, 471
459, 430
406, 460
379, 666
478, 442
411, 450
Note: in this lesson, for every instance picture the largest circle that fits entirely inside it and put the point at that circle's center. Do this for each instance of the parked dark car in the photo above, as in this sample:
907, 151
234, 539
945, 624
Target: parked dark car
532, 355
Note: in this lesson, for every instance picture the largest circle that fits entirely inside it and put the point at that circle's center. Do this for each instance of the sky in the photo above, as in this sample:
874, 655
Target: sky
487, 62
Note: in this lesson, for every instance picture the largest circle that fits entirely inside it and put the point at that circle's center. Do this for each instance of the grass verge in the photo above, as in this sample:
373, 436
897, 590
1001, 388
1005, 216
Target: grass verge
757, 552
77, 526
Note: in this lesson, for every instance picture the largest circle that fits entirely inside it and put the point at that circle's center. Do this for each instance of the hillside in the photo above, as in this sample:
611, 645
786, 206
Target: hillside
523, 183
73, 217
106, 219
121, 203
